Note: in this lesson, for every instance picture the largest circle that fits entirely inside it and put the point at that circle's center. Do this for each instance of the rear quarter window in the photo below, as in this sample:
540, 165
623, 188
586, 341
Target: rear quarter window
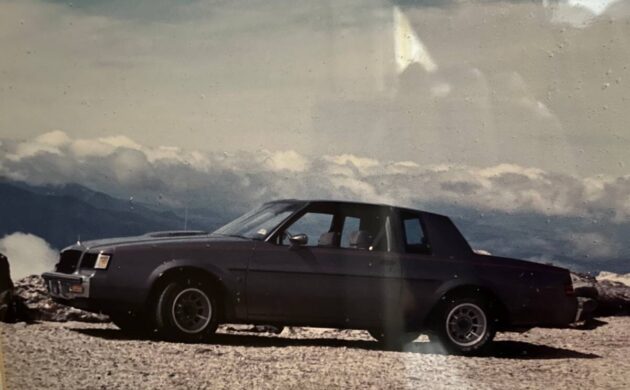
413, 234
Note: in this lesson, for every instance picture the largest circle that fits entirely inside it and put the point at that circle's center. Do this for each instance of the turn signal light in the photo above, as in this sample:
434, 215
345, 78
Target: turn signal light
102, 261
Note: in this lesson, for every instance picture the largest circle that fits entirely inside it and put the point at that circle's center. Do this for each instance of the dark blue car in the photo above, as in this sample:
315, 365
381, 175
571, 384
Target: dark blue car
393, 271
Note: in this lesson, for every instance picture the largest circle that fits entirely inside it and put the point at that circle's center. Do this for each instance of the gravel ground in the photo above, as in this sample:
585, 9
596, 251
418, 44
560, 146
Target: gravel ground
77, 355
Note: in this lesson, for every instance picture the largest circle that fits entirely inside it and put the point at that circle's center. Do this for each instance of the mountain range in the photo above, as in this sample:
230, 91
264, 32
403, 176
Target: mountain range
64, 214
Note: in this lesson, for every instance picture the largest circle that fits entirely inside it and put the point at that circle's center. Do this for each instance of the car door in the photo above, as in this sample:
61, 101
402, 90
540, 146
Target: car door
422, 270
321, 283
287, 282
380, 272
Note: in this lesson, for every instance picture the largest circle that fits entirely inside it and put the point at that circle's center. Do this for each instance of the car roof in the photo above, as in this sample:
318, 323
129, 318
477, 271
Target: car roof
445, 237
351, 203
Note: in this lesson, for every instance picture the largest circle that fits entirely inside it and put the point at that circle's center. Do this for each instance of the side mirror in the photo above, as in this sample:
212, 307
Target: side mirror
299, 240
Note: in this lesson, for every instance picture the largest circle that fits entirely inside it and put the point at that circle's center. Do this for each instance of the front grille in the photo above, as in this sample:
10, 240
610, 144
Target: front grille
68, 261
89, 259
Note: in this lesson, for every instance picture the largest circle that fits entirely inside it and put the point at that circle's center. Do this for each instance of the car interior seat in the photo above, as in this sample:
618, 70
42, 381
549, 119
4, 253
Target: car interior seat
330, 239
360, 239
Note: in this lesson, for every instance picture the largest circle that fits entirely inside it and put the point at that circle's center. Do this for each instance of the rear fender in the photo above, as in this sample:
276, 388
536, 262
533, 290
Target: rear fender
453, 284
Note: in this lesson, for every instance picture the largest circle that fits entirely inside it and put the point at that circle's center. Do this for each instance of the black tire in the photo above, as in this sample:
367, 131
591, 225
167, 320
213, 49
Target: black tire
393, 340
464, 326
131, 323
187, 311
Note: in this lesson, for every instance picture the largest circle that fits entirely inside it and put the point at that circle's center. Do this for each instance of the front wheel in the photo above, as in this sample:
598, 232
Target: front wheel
186, 311
465, 326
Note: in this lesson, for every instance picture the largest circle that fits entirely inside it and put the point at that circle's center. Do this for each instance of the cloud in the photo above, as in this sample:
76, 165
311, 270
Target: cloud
27, 254
55, 138
37, 146
169, 74
579, 13
83, 148
288, 160
131, 169
611, 276
540, 214
593, 244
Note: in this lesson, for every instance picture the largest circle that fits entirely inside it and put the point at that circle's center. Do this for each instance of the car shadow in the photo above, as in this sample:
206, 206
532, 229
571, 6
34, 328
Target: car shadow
591, 324
499, 349
524, 350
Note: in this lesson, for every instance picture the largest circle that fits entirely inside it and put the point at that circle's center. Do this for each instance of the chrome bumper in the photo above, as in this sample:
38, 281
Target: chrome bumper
66, 286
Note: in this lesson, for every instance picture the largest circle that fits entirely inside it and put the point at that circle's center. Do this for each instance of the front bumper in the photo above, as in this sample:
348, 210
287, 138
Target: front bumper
67, 286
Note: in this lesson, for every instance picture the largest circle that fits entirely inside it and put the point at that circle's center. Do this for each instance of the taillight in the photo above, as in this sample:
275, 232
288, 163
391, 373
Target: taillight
568, 289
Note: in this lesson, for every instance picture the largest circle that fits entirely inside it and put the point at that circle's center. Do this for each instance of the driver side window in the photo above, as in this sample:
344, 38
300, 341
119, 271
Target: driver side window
311, 224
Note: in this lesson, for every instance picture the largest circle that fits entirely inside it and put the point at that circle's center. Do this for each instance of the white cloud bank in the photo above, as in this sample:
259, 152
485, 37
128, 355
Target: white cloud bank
123, 167
27, 254
558, 217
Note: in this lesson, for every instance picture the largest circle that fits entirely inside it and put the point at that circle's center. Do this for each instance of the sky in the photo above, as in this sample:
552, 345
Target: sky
538, 84
510, 116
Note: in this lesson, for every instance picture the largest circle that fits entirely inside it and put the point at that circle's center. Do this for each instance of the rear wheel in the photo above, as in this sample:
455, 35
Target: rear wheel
464, 326
187, 311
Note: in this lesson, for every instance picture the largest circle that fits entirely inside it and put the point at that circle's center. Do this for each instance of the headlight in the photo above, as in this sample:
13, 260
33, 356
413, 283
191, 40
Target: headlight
102, 261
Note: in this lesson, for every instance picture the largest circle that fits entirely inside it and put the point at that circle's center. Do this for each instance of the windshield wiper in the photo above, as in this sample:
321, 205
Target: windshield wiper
229, 235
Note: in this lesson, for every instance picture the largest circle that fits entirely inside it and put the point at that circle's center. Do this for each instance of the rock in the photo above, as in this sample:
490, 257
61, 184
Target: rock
623, 278
5, 274
268, 329
613, 298
12, 307
584, 285
33, 291
238, 328
6, 288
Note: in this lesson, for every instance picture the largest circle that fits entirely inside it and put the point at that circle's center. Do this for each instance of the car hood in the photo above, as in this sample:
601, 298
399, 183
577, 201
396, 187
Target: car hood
155, 238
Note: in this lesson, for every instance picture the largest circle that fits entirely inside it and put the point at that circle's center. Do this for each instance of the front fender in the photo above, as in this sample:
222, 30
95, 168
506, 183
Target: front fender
230, 284
214, 270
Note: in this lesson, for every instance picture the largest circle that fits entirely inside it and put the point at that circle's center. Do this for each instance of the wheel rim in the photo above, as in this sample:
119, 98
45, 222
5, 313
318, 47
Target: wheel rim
466, 324
191, 310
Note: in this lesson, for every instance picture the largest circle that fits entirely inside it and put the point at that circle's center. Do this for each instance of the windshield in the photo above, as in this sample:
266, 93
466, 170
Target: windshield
258, 223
